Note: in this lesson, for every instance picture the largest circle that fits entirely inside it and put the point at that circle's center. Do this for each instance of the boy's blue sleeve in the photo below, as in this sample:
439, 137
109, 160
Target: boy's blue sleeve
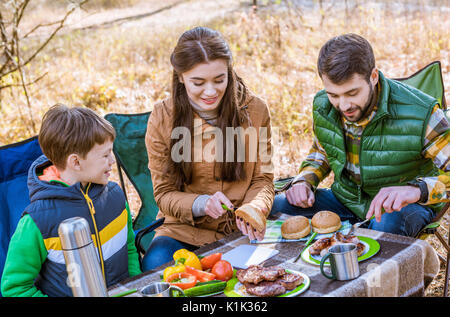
26, 253
133, 256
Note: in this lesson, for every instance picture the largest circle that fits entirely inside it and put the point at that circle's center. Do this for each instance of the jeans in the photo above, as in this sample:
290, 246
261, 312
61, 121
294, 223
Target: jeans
407, 222
161, 251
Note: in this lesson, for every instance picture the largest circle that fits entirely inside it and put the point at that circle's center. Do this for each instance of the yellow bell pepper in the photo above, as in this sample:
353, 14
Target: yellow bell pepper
188, 258
168, 271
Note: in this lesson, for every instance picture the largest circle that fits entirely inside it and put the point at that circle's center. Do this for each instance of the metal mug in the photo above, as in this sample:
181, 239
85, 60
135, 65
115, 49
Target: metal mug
161, 289
343, 262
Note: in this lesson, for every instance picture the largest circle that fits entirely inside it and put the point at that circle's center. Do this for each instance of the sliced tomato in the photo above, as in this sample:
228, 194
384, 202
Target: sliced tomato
208, 261
183, 280
202, 276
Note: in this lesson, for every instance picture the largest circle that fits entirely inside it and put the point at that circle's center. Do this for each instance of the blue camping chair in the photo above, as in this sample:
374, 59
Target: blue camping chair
15, 160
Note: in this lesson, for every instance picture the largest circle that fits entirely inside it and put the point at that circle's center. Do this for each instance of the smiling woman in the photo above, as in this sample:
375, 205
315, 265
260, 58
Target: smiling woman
206, 84
207, 96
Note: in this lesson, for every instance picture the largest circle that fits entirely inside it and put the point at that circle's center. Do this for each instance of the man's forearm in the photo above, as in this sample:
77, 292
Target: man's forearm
315, 167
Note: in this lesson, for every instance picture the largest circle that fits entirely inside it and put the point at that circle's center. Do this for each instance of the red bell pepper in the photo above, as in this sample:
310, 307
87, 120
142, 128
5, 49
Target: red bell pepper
183, 280
201, 276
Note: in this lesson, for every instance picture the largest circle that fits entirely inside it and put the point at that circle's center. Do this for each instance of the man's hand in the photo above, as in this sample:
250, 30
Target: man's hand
248, 230
392, 199
301, 195
213, 207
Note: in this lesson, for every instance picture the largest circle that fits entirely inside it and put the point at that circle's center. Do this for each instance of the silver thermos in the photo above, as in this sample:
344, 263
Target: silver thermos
85, 276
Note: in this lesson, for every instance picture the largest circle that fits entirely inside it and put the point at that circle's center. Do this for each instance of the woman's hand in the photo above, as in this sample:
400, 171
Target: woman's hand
248, 230
213, 207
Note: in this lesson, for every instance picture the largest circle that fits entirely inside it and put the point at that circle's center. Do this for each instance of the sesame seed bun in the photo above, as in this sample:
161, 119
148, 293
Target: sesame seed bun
295, 227
325, 222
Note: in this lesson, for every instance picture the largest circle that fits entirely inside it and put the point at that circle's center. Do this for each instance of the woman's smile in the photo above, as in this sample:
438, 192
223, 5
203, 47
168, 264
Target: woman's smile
209, 101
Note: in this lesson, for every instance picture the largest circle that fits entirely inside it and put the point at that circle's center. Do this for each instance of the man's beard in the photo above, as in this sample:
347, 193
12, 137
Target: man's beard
365, 109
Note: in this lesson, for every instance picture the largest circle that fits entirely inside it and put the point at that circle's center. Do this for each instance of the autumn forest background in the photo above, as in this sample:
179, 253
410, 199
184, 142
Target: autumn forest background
113, 56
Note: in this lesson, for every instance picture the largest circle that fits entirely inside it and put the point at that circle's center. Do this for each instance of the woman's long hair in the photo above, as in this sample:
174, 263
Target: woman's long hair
201, 45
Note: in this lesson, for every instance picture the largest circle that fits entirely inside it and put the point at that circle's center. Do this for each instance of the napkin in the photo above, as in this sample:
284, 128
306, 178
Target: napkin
245, 255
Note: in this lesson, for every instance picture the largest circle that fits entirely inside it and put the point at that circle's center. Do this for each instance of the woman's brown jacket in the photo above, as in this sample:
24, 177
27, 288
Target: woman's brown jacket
176, 206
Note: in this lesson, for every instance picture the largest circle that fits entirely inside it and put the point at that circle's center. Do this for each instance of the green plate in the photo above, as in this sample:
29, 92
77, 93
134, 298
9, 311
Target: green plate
236, 289
371, 248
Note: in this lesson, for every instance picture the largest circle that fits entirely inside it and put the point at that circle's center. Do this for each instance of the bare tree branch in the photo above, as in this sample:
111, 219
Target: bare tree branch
44, 44
11, 58
26, 84
37, 27
22, 7
15, 39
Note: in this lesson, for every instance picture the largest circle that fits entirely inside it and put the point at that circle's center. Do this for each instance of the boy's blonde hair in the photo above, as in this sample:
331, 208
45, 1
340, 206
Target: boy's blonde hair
65, 131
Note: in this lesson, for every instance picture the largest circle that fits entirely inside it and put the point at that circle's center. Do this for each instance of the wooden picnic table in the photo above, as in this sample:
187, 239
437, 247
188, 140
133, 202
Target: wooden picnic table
403, 267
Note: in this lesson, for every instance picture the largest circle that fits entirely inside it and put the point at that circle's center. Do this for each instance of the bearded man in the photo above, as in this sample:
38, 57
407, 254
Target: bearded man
385, 142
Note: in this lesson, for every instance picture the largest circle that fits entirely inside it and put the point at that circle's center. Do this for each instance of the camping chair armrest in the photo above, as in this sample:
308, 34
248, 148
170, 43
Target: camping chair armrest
431, 227
141, 233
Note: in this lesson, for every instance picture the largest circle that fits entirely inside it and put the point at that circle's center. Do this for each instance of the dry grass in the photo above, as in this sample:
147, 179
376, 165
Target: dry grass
126, 68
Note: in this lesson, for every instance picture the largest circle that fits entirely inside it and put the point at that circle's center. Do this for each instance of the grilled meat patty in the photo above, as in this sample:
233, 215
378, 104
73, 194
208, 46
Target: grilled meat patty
257, 273
265, 289
267, 281
290, 281
321, 246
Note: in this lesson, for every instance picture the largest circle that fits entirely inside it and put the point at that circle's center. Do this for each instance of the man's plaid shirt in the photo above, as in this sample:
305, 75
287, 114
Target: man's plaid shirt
436, 147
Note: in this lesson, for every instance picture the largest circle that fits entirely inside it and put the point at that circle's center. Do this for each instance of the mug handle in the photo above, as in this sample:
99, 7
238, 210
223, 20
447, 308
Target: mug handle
322, 263
173, 290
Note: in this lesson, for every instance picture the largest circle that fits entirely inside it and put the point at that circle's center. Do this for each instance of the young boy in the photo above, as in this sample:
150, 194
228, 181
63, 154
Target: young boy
70, 180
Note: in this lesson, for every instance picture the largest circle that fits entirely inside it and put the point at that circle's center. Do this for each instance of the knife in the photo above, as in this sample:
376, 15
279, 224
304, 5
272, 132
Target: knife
358, 224
311, 239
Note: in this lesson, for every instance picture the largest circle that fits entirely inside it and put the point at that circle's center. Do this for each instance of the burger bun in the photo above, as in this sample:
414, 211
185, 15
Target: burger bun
253, 216
295, 227
325, 222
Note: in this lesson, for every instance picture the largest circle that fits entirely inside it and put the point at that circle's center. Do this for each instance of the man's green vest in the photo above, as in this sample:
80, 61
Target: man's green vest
391, 144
